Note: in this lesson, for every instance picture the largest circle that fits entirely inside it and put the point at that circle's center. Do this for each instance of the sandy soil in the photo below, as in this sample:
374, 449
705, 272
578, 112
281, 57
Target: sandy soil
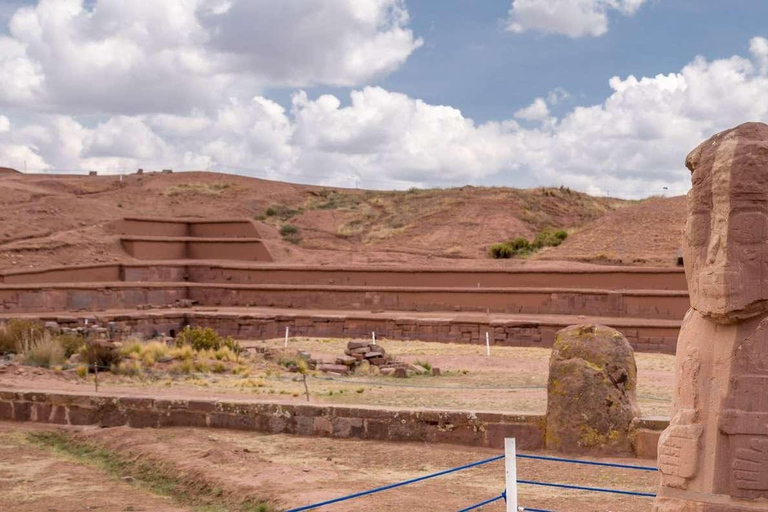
294, 471
513, 379
34, 480
50, 220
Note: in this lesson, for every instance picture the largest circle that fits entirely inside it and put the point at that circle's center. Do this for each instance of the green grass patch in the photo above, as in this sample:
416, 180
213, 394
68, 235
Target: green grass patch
158, 478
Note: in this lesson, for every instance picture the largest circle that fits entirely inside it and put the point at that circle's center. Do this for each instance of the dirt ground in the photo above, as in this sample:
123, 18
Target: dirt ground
49, 219
34, 480
293, 471
512, 379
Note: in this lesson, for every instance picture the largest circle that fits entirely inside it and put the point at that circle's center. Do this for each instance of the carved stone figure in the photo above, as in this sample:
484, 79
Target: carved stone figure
714, 455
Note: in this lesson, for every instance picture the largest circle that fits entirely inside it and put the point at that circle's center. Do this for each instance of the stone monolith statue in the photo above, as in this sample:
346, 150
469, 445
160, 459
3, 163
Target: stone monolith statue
714, 455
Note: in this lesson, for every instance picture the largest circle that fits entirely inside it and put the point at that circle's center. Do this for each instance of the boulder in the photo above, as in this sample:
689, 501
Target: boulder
333, 368
591, 392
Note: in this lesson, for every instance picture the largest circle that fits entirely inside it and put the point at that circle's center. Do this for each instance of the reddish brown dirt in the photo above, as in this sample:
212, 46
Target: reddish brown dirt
646, 233
48, 220
293, 471
35, 480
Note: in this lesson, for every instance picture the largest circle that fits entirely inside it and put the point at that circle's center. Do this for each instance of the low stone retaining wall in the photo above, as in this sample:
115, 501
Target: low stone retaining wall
643, 336
605, 278
653, 304
453, 427
661, 304
486, 429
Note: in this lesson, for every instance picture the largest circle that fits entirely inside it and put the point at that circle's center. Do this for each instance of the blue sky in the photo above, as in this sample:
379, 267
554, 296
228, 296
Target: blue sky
396, 93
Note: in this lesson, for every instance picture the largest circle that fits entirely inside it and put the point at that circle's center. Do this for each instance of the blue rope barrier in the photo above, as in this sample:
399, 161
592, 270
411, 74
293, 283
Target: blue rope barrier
592, 489
399, 484
483, 503
588, 462
536, 510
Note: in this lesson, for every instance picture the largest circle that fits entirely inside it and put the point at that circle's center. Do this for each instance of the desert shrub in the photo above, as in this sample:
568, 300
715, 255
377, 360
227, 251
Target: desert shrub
225, 354
500, 251
18, 331
99, 353
205, 338
218, 367
44, 350
549, 238
282, 212
81, 371
290, 233
186, 366
130, 368
519, 244
424, 364
71, 343
521, 247
184, 353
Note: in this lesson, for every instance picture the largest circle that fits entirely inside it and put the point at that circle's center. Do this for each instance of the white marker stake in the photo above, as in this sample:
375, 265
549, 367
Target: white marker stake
510, 463
286, 337
373, 336
487, 345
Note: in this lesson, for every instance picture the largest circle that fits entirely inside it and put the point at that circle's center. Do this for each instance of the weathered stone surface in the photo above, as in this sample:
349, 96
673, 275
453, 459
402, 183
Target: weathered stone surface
714, 454
334, 368
591, 391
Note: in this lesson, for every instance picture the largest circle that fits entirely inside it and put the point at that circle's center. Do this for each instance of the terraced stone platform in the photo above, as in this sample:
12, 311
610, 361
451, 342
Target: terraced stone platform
259, 300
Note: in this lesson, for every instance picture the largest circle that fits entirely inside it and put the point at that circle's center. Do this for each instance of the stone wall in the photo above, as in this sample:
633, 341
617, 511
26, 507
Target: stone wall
486, 429
48, 298
455, 427
255, 325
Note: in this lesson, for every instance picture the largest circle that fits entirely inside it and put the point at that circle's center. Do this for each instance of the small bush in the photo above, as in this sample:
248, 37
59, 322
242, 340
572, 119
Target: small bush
282, 212
100, 353
81, 371
218, 367
200, 339
290, 233
500, 251
72, 343
17, 331
184, 353
549, 238
46, 351
424, 364
519, 244
130, 368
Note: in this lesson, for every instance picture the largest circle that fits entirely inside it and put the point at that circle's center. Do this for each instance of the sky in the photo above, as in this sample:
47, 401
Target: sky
603, 96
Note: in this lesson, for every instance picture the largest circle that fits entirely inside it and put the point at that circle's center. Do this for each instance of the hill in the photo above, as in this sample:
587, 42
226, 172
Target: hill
66, 219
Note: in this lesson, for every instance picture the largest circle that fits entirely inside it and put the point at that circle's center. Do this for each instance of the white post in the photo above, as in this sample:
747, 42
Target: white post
286, 336
487, 345
510, 463
373, 336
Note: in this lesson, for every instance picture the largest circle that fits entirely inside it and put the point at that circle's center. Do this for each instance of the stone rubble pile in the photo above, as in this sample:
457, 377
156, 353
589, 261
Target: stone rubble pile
370, 357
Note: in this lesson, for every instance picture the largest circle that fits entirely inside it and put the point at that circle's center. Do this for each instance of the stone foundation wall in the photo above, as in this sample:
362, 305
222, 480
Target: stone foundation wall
667, 305
454, 427
486, 429
40, 299
265, 326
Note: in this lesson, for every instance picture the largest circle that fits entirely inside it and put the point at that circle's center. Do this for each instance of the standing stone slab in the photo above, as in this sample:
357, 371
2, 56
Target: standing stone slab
591, 391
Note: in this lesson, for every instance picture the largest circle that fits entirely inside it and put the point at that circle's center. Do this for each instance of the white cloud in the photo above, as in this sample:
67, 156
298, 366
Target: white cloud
536, 111
5, 124
758, 46
171, 56
573, 18
632, 144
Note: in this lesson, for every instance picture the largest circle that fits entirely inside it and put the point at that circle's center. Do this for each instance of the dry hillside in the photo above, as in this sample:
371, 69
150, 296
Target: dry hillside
53, 220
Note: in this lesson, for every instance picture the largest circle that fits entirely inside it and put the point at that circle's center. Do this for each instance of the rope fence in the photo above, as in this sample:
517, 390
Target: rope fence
511, 474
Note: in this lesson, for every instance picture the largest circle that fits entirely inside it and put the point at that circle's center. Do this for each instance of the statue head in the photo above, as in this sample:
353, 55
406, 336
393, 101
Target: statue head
725, 245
